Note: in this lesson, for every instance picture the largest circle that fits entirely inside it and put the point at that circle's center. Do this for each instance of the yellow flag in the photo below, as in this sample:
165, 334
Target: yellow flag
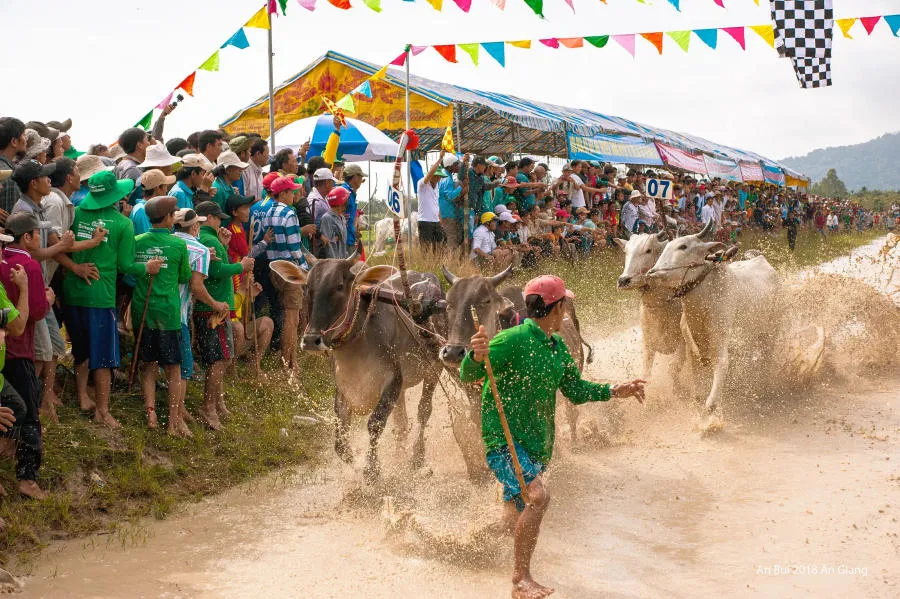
767, 32
846, 25
380, 74
521, 44
447, 142
260, 20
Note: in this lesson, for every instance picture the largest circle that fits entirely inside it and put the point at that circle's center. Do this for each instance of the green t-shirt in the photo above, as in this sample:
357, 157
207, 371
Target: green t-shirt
224, 192
529, 367
218, 282
5, 304
114, 255
164, 309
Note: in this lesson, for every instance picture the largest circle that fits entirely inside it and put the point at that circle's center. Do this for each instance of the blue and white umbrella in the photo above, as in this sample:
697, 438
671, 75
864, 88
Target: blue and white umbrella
359, 141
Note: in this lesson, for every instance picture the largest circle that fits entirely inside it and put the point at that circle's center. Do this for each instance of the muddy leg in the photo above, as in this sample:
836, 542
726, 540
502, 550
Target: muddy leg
401, 422
425, 405
377, 422
342, 429
572, 417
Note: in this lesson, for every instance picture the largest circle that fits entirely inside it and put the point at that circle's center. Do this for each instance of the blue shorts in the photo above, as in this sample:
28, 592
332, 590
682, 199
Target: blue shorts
187, 356
95, 336
500, 463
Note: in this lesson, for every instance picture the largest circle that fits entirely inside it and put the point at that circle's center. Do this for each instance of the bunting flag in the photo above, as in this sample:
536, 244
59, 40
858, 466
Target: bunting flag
400, 60
521, 44
767, 32
496, 51
436, 4
342, 4
309, 5
283, 4
211, 63
537, 6
145, 122
166, 101
188, 84
682, 38
416, 50
710, 37
551, 42
447, 141
846, 25
346, 103
472, 51
373, 4
869, 23
626, 41
654, 38
260, 20
447, 51
365, 89
893, 22
464, 5
598, 41
571, 42
738, 34
238, 40
379, 75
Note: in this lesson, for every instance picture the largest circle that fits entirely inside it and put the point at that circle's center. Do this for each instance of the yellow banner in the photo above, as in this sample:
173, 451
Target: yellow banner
302, 98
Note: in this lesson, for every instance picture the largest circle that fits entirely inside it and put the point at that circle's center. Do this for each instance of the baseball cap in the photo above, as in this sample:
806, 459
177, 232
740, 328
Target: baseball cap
23, 222
185, 217
282, 184
239, 143
208, 208
506, 217
229, 158
197, 161
29, 170
352, 170
160, 207
338, 196
154, 178
495, 161
487, 217
324, 174
509, 182
550, 287
235, 201
500, 209
562, 214
267, 180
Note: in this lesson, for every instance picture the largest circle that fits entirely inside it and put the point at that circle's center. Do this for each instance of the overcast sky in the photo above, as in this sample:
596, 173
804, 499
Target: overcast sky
105, 63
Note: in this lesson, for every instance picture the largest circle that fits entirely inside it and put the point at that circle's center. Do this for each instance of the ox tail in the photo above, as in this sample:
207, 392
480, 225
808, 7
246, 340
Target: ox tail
590, 351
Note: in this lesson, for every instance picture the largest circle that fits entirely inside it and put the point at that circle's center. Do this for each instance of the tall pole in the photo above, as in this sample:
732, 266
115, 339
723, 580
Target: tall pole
271, 91
409, 190
465, 223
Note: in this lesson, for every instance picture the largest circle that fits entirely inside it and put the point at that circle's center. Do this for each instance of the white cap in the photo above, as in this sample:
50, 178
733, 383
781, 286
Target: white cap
449, 160
229, 158
500, 209
506, 217
324, 174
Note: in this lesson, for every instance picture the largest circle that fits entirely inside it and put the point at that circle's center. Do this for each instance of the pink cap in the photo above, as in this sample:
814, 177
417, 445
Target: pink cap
550, 287
267, 180
283, 184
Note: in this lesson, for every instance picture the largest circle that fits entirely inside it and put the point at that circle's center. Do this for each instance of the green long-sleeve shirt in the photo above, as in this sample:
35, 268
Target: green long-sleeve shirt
114, 255
164, 309
529, 367
218, 281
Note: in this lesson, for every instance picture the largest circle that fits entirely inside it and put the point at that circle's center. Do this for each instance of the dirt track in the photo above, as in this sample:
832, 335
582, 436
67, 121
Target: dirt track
798, 496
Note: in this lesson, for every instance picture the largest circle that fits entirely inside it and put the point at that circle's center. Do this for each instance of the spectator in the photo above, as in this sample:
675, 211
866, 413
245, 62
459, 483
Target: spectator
285, 162
154, 184
323, 183
353, 180
134, 142
252, 176
209, 144
450, 192
333, 229
431, 235
160, 332
194, 181
88, 165
13, 411
630, 211
228, 171
12, 146
158, 157
483, 241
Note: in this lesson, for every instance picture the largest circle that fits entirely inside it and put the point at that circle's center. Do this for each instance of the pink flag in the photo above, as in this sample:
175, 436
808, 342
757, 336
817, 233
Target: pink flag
550, 42
501, 4
465, 5
165, 102
416, 50
571, 5
309, 5
869, 23
400, 60
720, 3
626, 41
273, 7
738, 34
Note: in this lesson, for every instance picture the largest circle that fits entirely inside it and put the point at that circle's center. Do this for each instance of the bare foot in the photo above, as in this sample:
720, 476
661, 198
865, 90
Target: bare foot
106, 419
529, 589
186, 416
152, 423
222, 409
30, 488
48, 412
86, 403
210, 418
177, 428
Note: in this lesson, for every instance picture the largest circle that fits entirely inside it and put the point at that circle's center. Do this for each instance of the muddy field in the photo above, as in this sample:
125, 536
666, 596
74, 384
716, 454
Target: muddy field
799, 495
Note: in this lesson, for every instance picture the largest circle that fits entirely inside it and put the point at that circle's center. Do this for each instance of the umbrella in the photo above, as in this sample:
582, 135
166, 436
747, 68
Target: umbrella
359, 140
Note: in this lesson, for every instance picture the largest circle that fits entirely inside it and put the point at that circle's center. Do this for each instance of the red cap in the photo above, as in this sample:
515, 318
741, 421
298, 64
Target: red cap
283, 184
338, 196
550, 287
510, 182
267, 180
562, 214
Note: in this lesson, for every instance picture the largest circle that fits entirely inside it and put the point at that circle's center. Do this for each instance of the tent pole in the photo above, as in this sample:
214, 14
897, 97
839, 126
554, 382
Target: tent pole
409, 190
465, 223
371, 215
271, 91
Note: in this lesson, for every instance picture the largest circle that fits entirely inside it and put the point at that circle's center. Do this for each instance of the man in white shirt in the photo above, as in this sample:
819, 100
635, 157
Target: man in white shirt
252, 176
483, 241
630, 211
707, 213
431, 235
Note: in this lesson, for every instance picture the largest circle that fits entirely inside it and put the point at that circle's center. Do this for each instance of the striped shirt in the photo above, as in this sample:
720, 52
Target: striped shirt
198, 257
283, 221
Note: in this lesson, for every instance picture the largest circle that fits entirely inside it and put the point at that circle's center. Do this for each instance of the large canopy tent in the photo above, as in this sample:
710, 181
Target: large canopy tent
487, 122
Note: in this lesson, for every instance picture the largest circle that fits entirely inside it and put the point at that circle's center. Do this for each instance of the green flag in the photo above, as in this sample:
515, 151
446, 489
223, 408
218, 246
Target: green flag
145, 122
597, 41
283, 4
212, 63
682, 38
537, 6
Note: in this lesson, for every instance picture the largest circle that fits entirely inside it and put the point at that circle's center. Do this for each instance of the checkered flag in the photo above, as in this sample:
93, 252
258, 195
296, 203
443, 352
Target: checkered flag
803, 33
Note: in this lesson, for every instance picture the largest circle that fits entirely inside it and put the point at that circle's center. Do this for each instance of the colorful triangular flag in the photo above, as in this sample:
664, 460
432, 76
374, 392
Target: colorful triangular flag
501, 4
537, 6
869, 23
767, 32
598, 41
211, 63
188, 84
400, 60
893, 22
238, 40
342, 4
260, 20
496, 51
373, 4
416, 50
676, 4
145, 122
521, 44
472, 51
846, 25
550, 42
682, 38
166, 101
738, 34
447, 141
571, 42
655, 38
380, 73
720, 3
309, 5
465, 5
283, 4
365, 89
626, 41
346, 103
436, 4
710, 37
447, 51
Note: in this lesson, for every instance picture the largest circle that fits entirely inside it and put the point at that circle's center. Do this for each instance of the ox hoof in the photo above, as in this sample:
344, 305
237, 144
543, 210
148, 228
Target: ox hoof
711, 423
343, 451
418, 456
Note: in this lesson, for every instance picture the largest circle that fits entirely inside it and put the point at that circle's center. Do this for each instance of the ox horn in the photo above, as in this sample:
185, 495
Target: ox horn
707, 230
351, 260
501, 276
451, 278
310, 259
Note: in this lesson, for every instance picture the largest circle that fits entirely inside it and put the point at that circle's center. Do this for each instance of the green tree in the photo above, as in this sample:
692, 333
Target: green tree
831, 186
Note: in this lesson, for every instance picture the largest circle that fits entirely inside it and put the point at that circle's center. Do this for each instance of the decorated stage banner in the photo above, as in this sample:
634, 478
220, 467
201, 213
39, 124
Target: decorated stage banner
773, 175
681, 159
613, 148
751, 171
727, 170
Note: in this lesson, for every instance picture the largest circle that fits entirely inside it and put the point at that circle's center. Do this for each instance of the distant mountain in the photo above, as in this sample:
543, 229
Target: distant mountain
874, 164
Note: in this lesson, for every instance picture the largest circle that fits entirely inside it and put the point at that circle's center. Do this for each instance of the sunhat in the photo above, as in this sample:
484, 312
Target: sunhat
158, 156
105, 190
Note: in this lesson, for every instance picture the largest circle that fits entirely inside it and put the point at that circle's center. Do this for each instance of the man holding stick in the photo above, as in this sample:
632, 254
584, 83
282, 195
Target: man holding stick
525, 365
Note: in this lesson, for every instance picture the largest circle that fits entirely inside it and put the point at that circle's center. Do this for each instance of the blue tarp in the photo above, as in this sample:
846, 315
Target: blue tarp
613, 148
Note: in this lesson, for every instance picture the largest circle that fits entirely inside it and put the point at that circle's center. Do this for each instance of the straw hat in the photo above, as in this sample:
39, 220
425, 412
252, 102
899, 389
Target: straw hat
89, 165
35, 143
158, 156
116, 152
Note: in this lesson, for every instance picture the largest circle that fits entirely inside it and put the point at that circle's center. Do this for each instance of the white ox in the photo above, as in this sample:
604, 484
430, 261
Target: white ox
384, 229
661, 314
727, 306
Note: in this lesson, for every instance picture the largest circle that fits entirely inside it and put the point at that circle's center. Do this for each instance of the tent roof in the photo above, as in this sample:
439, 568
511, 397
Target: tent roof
494, 123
